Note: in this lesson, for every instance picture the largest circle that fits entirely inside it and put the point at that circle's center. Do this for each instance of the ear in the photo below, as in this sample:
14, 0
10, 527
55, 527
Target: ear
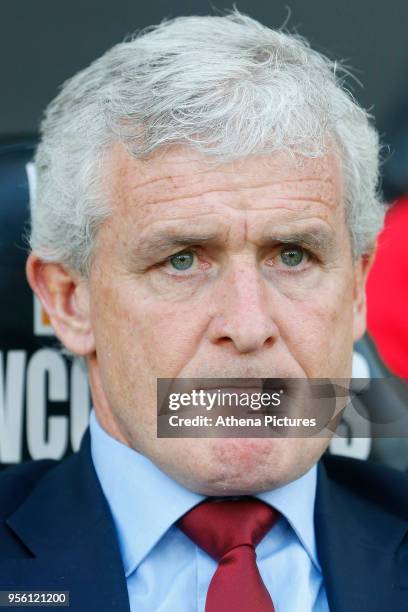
361, 270
65, 296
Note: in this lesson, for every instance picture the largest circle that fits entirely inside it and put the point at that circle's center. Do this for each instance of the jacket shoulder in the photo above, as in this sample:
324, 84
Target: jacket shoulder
371, 482
16, 484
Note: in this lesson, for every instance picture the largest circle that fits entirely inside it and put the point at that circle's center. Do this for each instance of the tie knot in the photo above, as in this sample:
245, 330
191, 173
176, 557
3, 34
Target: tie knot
218, 526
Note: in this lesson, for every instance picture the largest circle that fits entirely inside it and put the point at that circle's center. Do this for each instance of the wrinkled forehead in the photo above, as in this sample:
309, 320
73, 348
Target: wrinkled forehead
180, 174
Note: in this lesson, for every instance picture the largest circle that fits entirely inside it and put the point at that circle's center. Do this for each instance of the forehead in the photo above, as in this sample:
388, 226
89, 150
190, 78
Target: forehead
180, 178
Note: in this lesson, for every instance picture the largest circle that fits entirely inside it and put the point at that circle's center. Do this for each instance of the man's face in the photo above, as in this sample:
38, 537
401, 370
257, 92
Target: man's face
265, 287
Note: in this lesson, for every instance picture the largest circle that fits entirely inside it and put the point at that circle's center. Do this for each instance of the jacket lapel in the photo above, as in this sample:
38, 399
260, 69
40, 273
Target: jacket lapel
362, 550
66, 524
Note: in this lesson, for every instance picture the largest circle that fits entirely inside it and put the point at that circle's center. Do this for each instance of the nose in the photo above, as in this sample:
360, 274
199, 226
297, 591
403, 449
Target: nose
242, 312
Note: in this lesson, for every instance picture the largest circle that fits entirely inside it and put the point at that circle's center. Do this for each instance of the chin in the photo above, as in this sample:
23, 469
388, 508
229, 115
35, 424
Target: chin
244, 466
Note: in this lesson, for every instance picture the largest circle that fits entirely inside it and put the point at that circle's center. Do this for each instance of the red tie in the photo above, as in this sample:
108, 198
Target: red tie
229, 530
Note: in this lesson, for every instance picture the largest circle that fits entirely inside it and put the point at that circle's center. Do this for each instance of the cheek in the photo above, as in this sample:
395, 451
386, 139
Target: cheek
318, 330
148, 335
171, 333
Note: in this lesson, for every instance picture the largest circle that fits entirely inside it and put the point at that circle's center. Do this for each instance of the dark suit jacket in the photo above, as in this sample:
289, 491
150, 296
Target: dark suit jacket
57, 533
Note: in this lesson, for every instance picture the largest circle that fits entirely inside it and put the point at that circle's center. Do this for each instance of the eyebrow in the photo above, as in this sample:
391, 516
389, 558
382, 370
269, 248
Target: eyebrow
162, 242
319, 240
315, 239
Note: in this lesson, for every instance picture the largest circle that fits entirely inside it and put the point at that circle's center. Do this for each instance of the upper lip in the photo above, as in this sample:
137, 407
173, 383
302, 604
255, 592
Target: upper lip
231, 383
187, 385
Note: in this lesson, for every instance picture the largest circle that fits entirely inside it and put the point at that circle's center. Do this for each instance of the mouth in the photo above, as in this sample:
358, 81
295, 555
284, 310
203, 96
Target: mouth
236, 384
230, 384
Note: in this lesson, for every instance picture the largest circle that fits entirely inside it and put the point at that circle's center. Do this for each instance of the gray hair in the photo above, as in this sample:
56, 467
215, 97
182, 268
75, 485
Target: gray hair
225, 85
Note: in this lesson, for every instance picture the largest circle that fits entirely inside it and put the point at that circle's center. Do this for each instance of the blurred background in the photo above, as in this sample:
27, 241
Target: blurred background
43, 42
44, 400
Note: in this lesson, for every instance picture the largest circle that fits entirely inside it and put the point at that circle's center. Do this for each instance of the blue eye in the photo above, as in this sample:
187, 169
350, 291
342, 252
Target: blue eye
182, 261
292, 256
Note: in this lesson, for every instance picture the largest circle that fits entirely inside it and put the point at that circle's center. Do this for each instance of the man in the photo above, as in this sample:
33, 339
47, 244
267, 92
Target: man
206, 207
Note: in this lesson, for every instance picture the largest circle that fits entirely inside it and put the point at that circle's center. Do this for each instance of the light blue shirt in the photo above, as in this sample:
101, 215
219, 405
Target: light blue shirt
165, 571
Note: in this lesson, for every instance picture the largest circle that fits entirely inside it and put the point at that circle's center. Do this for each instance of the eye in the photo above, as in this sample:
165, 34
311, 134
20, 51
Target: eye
292, 255
182, 261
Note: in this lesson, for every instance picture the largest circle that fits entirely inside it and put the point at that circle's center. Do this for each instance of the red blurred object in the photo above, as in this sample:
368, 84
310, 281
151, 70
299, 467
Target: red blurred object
387, 291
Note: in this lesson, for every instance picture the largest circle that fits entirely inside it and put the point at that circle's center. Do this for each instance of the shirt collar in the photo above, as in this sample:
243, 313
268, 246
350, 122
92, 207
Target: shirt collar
295, 501
144, 495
